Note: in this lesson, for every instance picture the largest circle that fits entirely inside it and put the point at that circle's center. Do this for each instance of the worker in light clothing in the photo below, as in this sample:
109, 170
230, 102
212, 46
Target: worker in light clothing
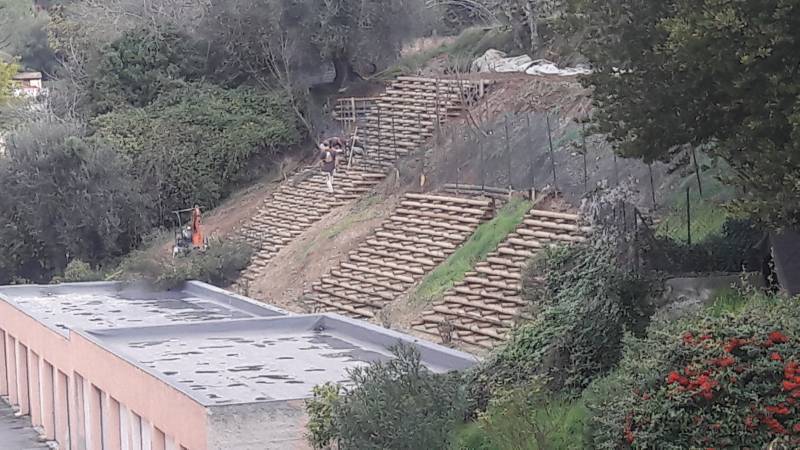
327, 158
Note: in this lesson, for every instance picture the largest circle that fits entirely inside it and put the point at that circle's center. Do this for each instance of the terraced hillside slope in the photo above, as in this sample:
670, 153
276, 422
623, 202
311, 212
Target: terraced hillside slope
423, 231
395, 124
481, 309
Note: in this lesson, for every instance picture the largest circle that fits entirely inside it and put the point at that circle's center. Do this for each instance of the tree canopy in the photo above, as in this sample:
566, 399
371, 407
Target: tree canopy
722, 76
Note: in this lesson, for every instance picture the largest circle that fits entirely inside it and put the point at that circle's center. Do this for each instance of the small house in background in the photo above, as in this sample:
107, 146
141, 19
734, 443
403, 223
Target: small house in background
28, 84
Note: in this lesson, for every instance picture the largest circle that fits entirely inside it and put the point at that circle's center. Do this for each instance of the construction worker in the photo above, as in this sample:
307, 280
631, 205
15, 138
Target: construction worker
327, 159
197, 233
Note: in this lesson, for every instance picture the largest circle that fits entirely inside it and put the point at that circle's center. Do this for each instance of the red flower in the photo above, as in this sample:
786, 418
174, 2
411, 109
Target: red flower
750, 422
724, 362
777, 337
645, 396
733, 344
688, 339
705, 337
789, 386
775, 356
796, 428
675, 377
773, 424
791, 369
780, 410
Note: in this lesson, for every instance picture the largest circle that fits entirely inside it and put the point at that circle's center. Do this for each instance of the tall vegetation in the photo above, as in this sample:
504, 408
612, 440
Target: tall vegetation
673, 76
65, 196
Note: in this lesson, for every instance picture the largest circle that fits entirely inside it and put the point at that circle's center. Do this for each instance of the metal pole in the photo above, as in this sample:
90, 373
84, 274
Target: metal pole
483, 165
508, 154
652, 185
616, 170
688, 217
697, 172
585, 168
530, 152
380, 144
552, 152
394, 139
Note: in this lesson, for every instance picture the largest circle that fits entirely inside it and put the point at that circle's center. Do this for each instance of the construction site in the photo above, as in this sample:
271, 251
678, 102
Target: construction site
453, 247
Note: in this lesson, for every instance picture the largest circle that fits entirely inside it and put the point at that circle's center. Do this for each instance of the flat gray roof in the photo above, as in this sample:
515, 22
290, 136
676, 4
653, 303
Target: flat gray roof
84, 306
217, 347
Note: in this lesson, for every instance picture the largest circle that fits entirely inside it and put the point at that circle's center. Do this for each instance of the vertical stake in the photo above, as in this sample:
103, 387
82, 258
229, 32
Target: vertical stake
508, 154
483, 165
652, 186
585, 168
552, 152
688, 217
530, 152
394, 139
697, 172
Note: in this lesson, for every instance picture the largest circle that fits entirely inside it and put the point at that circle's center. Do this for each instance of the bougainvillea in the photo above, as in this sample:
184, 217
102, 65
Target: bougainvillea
707, 382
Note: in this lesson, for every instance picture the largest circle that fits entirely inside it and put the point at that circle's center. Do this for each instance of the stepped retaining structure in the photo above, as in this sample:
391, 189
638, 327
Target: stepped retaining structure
423, 231
391, 126
481, 309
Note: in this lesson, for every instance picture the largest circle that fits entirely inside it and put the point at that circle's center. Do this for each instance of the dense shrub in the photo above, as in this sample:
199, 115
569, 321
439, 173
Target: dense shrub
711, 381
141, 65
65, 197
79, 271
731, 251
583, 307
192, 144
220, 265
321, 428
394, 405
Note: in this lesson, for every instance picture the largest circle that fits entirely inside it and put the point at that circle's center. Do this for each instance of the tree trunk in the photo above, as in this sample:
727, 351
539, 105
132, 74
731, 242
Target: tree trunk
344, 71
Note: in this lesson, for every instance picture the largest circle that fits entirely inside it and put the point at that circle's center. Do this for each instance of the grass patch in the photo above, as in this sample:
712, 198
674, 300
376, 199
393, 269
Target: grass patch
552, 424
471, 43
482, 242
360, 213
731, 300
708, 212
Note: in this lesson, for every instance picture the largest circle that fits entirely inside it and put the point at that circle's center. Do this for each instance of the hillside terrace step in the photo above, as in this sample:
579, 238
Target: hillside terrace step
499, 297
388, 264
381, 273
355, 311
394, 255
409, 231
556, 225
348, 298
550, 236
498, 284
432, 223
507, 323
416, 240
554, 215
438, 215
364, 280
450, 299
440, 207
438, 254
348, 286
487, 331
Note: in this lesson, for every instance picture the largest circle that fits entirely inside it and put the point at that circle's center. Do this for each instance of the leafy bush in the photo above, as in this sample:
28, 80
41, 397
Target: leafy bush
586, 303
722, 381
219, 265
192, 144
141, 65
78, 271
395, 405
321, 429
65, 197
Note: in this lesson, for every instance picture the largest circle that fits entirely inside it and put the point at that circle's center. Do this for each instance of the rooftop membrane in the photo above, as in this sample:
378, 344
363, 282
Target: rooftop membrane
217, 347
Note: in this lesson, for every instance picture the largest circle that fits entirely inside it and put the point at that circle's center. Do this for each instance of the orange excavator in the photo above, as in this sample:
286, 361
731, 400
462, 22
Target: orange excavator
191, 237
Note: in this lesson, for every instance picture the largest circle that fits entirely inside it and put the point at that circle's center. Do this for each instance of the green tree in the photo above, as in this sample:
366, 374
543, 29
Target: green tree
65, 198
194, 142
7, 72
677, 75
144, 63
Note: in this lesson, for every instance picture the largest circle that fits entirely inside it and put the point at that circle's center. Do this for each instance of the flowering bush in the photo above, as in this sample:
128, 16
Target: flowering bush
707, 382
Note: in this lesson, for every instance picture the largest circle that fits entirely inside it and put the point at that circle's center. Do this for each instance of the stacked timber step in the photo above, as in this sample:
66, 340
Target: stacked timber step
406, 115
296, 206
422, 232
481, 309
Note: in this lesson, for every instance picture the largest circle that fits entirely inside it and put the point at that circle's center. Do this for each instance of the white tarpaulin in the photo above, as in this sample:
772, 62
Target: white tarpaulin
497, 61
